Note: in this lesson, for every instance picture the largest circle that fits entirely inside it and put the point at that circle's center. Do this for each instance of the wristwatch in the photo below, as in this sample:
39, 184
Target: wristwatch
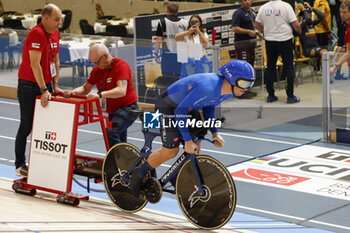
42, 90
99, 94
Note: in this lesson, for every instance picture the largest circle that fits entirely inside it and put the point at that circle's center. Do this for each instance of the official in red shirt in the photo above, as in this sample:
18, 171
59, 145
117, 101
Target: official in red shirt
112, 77
39, 67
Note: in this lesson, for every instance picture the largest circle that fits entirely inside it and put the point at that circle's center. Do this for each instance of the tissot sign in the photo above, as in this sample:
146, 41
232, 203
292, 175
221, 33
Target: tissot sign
50, 148
311, 169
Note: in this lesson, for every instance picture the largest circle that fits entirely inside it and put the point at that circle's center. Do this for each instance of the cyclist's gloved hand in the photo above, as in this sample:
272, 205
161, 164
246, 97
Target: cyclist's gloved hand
218, 140
191, 147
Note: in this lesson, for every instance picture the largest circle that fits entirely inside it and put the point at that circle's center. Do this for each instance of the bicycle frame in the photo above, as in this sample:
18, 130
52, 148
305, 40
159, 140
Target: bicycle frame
172, 171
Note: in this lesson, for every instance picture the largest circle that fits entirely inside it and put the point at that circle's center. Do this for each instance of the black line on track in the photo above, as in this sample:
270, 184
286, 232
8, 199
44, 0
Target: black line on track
323, 213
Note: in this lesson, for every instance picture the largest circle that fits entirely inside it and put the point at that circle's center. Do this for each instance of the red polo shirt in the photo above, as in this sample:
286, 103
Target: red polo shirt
48, 44
119, 70
347, 34
347, 38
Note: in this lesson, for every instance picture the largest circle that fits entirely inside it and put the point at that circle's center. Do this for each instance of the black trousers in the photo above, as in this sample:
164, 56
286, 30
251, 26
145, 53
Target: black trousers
273, 50
26, 93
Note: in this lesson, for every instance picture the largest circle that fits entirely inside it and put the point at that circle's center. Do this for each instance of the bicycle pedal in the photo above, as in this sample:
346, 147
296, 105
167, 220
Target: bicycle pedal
153, 190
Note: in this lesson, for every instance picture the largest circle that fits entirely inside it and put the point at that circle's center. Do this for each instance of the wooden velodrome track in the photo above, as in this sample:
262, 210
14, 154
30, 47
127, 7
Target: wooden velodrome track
262, 207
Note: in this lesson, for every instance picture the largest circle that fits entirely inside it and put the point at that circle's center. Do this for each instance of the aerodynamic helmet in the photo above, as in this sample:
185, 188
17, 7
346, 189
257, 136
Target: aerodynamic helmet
238, 73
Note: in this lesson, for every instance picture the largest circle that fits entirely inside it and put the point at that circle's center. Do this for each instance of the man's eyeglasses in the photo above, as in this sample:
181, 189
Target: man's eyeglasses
96, 63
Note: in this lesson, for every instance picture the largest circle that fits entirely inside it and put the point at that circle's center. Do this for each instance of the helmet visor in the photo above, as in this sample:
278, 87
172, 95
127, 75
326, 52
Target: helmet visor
244, 83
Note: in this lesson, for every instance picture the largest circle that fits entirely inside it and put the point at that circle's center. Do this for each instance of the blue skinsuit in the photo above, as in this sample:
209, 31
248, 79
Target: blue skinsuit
197, 91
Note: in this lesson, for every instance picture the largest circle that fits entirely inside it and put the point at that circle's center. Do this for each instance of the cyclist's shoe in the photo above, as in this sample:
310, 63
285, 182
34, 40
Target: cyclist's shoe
22, 171
137, 177
271, 99
293, 100
136, 181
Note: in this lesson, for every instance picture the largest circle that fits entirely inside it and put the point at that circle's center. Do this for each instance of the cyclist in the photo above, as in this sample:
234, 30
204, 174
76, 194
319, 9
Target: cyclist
185, 96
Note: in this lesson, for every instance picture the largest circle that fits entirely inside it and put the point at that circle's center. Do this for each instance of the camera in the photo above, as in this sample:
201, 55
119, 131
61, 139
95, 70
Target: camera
193, 22
307, 8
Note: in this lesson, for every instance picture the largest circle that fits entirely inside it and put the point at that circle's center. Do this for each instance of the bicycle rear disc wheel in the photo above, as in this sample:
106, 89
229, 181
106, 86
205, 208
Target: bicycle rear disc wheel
213, 209
117, 162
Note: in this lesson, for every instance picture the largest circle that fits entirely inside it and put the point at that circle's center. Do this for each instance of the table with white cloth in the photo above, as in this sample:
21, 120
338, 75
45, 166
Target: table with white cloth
99, 27
79, 48
28, 20
8, 44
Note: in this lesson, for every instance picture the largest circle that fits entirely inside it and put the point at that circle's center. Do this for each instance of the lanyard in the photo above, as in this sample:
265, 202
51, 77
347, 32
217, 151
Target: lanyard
51, 47
110, 68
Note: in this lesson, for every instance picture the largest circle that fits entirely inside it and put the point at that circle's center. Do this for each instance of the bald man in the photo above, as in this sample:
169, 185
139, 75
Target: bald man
112, 77
39, 67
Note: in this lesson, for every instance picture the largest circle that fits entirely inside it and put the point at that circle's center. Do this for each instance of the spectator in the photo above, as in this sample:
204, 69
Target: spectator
39, 67
112, 77
243, 26
276, 19
195, 34
308, 37
335, 8
99, 11
345, 16
167, 28
1, 8
323, 30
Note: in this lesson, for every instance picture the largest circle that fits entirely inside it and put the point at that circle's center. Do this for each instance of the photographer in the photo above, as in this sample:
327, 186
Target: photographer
195, 34
308, 37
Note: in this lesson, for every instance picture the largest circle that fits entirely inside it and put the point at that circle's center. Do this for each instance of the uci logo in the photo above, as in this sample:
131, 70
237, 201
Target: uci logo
151, 120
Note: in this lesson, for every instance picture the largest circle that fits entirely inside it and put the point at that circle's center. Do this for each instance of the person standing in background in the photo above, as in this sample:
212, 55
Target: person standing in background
1, 8
195, 34
323, 29
167, 28
243, 26
276, 19
345, 16
39, 67
335, 8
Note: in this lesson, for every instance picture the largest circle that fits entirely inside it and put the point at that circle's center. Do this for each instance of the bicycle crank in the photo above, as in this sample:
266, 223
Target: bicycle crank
152, 190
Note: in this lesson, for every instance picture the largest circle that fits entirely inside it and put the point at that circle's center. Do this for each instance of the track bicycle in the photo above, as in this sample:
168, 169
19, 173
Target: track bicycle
204, 188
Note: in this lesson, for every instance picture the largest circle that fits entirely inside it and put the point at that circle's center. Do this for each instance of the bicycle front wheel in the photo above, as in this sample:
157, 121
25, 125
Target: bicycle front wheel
116, 164
213, 209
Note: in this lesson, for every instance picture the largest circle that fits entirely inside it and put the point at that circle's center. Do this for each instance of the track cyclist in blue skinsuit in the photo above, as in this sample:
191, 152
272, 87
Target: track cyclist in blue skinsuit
183, 99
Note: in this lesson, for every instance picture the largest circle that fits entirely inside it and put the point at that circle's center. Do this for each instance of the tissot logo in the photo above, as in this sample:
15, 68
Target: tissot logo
49, 145
50, 135
336, 156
